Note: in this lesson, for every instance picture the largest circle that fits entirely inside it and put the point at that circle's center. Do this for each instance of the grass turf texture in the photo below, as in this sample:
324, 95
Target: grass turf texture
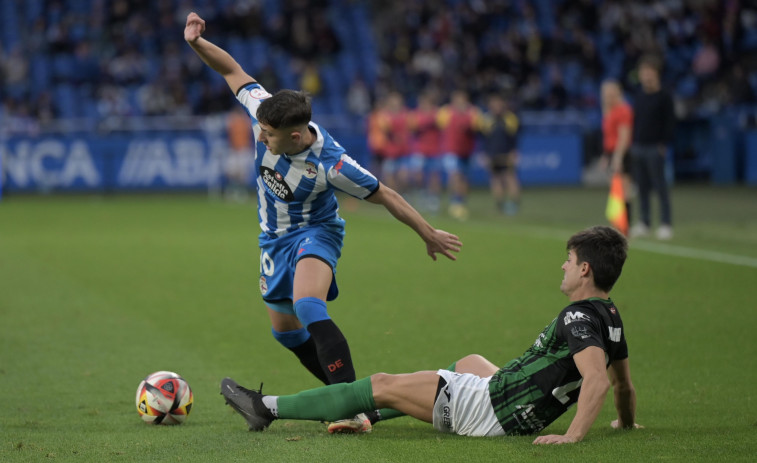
96, 293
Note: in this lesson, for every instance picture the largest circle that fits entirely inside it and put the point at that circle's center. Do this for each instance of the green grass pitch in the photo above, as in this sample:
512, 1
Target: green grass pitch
97, 292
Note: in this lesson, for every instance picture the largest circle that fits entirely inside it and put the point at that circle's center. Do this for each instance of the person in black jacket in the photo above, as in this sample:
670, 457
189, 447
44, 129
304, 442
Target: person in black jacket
654, 122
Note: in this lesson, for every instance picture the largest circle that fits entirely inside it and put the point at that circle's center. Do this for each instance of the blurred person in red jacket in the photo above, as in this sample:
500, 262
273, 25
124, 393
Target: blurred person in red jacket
457, 120
426, 160
396, 129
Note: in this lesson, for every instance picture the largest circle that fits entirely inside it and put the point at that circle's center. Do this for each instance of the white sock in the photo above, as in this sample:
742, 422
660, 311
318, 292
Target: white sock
272, 403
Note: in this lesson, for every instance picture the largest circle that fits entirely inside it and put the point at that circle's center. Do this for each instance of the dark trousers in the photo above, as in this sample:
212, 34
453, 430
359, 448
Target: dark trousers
648, 168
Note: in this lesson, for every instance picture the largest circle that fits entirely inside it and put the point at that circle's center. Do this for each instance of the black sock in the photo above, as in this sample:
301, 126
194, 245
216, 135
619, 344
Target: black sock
308, 355
333, 352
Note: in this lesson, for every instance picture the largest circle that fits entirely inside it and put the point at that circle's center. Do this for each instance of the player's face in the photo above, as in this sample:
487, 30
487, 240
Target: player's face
571, 274
278, 141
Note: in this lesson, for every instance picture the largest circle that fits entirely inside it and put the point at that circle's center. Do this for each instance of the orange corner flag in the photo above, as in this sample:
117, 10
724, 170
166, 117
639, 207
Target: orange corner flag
616, 205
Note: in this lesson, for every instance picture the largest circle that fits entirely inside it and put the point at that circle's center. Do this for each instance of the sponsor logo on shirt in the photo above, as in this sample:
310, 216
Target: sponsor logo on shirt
338, 166
615, 334
571, 317
275, 182
579, 332
613, 310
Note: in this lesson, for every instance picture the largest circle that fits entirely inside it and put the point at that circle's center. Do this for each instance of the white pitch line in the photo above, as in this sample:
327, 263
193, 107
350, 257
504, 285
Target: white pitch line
657, 248
692, 253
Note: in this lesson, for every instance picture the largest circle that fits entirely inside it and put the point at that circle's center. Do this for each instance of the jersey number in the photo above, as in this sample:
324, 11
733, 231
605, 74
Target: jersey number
561, 393
266, 264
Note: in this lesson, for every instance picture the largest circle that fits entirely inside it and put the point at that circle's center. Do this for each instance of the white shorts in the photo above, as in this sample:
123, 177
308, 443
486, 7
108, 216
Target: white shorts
464, 407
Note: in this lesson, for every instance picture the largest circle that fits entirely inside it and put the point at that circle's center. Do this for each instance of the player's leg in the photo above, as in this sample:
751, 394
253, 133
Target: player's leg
412, 394
312, 280
276, 282
474, 364
289, 332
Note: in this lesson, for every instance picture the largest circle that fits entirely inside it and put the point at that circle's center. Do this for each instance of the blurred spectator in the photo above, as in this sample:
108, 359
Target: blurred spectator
654, 121
426, 147
310, 79
457, 120
395, 125
358, 97
239, 159
501, 126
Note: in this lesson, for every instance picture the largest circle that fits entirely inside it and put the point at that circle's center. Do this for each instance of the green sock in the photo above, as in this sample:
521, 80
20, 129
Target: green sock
328, 403
390, 413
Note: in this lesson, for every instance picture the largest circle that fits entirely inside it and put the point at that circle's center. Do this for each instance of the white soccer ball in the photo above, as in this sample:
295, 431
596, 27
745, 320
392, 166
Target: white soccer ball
164, 398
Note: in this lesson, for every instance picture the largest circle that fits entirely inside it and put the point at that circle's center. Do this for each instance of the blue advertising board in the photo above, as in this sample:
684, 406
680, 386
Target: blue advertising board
550, 158
111, 163
750, 158
193, 160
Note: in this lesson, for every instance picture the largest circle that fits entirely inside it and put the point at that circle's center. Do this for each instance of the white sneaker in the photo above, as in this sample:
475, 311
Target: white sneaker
664, 233
358, 425
639, 231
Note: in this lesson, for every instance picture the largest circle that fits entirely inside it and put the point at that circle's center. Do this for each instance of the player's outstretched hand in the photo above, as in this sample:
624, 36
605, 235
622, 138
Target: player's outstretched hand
195, 27
554, 439
616, 425
443, 243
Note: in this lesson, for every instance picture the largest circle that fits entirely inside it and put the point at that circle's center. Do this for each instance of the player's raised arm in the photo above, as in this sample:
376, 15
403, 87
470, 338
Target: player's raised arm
212, 55
437, 241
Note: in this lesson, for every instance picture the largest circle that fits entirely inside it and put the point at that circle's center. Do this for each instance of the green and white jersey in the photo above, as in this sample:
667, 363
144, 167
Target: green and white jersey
533, 390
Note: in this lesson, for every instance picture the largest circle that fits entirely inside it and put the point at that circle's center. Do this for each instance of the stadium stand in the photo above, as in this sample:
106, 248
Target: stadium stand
90, 60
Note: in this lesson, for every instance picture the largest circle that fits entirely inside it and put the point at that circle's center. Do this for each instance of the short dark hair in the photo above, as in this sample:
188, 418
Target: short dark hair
604, 249
287, 108
652, 61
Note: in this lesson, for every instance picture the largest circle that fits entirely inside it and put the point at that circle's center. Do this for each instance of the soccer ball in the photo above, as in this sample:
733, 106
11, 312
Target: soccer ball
164, 398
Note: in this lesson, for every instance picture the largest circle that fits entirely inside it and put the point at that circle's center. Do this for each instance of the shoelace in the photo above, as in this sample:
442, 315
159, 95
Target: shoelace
251, 392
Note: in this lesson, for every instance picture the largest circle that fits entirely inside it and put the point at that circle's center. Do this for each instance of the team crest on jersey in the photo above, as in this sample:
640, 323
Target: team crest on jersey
259, 94
275, 182
263, 285
310, 170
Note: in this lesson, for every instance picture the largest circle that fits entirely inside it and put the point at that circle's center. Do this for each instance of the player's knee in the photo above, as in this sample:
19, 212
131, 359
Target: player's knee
381, 384
291, 339
310, 310
472, 358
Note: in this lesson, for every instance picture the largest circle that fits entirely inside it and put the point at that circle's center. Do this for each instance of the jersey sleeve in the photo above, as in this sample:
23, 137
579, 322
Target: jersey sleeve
348, 176
580, 329
250, 96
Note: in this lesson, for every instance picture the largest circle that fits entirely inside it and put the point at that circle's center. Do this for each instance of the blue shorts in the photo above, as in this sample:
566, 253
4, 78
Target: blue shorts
279, 257
452, 163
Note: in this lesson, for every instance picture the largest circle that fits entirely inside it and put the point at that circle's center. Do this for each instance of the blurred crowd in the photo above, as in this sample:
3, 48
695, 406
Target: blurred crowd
106, 58
103, 58
554, 54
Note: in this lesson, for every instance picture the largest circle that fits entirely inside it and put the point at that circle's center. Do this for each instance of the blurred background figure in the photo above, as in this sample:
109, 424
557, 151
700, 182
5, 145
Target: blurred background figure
500, 127
395, 125
426, 166
617, 127
654, 122
377, 141
239, 158
457, 120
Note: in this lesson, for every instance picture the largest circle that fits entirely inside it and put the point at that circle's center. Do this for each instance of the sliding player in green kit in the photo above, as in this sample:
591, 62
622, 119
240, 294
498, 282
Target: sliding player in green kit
567, 364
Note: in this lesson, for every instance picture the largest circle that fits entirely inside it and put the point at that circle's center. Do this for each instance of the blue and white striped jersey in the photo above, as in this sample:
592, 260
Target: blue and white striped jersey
297, 190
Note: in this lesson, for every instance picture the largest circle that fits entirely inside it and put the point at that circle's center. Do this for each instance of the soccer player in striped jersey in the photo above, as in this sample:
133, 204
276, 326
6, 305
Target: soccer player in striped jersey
298, 169
568, 364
